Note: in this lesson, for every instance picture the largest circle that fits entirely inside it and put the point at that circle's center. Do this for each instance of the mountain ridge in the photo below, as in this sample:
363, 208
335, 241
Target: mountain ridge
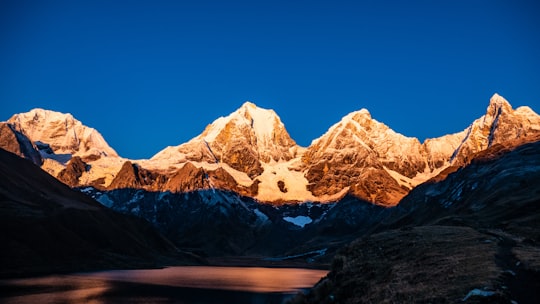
254, 155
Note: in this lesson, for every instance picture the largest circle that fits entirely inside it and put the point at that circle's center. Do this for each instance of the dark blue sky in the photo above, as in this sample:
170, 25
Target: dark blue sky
148, 74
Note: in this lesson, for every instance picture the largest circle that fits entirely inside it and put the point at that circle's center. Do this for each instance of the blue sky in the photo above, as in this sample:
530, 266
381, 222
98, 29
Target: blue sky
148, 74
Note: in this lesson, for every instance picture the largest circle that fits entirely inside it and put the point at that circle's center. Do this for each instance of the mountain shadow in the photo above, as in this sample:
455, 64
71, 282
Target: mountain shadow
48, 227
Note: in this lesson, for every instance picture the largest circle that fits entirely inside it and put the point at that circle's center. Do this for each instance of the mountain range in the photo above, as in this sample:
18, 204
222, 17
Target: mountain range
250, 152
452, 219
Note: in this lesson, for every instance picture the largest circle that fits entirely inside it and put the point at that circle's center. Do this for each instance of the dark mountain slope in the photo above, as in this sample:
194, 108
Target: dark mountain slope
473, 237
48, 227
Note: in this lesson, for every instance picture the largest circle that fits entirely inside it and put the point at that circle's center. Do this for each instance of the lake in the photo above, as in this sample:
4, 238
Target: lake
185, 284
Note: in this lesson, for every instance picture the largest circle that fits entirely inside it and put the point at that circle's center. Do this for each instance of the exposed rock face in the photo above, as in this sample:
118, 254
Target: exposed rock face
355, 152
73, 171
191, 178
16, 142
135, 177
63, 133
243, 140
188, 178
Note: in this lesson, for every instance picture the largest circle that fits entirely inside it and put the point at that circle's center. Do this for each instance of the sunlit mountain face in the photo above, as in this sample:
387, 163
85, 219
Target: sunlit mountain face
250, 152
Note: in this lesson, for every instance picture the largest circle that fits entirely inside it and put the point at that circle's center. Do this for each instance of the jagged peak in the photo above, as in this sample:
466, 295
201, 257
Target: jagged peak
363, 113
497, 102
39, 113
262, 121
360, 119
249, 105
496, 98
252, 112
357, 116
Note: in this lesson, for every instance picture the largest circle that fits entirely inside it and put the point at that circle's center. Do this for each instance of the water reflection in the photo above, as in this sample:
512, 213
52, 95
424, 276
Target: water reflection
193, 284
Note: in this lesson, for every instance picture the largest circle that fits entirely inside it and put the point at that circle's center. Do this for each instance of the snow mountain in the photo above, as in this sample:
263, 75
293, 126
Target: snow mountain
360, 154
379, 165
501, 125
244, 140
64, 143
62, 133
249, 152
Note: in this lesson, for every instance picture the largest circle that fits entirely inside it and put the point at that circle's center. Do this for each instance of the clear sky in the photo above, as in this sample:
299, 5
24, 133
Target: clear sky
149, 74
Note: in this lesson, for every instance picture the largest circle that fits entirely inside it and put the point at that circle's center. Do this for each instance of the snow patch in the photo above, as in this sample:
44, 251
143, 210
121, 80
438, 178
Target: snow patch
299, 221
105, 201
402, 180
295, 182
479, 293
86, 190
104, 167
261, 216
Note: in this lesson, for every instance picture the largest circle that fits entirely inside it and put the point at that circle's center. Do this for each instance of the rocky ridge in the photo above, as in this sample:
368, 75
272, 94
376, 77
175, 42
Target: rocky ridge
17, 143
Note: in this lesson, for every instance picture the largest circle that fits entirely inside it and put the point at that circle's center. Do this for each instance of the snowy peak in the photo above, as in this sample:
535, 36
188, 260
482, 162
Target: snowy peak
498, 103
64, 134
501, 125
264, 127
369, 152
349, 131
358, 130
361, 115
249, 105
243, 140
497, 106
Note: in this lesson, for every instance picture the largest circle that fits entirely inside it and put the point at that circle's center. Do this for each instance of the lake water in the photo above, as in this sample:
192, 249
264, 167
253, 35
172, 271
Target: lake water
186, 284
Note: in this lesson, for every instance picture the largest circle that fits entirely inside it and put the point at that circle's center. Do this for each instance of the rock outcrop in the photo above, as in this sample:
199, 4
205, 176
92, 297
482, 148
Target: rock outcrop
16, 142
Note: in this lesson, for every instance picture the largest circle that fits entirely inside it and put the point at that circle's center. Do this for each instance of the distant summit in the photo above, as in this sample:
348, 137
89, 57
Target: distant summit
62, 133
243, 140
